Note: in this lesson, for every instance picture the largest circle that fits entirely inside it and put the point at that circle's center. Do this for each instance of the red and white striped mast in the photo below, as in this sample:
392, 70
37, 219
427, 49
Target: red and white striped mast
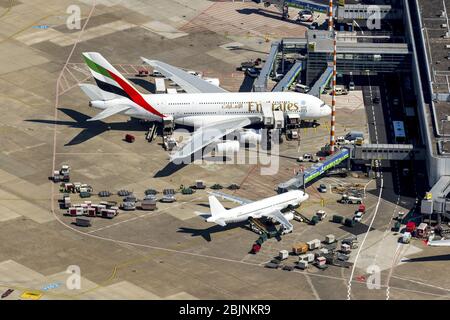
333, 102
330, 16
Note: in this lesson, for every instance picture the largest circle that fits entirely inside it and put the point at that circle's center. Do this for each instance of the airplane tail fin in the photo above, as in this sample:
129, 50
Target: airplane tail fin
110, 80
95, 93
106, 76
216, 207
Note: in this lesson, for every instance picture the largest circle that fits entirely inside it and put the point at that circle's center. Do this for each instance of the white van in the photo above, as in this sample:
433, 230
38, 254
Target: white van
157, 74
301, 88
341, 91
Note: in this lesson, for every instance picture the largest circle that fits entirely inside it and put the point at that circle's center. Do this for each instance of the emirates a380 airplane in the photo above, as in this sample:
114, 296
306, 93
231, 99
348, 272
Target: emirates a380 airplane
204, 106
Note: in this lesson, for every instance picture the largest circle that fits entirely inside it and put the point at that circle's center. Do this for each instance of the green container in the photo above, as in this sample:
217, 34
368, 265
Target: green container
85, 194
338, 219
187, 191
349, 222
272, 234
397, 226
261, 240
314, 220
264, 237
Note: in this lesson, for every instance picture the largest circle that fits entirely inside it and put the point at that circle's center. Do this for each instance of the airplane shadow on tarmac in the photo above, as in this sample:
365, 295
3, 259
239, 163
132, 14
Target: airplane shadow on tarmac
95, 128
442, 257
206, 233
90, 129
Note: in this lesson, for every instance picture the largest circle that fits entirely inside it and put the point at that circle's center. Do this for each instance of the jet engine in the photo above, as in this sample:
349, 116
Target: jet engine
289, 215
250, 136
227, 147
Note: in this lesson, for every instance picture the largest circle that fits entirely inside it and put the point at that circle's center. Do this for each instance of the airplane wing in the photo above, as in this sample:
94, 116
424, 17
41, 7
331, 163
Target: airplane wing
189, 82
277, 215
235, 199
109, 112
439, 243
205, 135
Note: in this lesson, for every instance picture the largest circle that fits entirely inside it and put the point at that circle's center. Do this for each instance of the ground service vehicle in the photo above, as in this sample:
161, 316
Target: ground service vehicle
350, 199
322, 188
399, 131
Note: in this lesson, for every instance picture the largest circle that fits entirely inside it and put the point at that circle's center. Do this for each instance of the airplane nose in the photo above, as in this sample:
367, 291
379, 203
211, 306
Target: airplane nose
326, 110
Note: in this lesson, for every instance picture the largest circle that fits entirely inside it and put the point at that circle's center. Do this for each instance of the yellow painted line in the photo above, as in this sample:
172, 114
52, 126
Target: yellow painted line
23, 29
11, 3
31, 295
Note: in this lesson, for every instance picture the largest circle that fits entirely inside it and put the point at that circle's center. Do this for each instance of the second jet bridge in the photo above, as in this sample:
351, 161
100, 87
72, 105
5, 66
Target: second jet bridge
397, 152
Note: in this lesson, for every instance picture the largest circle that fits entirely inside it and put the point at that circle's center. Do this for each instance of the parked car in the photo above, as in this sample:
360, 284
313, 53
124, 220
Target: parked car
358, 216
351, 86
322, 188
321, 214
301, 88
305, 16
157, 74
277, 76
306, 157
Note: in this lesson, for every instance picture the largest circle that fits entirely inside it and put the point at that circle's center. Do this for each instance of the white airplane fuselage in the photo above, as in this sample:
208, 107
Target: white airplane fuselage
200, 109
258, 208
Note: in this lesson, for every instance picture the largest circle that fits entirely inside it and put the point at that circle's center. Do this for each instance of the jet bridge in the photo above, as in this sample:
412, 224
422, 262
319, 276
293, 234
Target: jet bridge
322, 82
292, 74
260, 84
397, 152
302, 178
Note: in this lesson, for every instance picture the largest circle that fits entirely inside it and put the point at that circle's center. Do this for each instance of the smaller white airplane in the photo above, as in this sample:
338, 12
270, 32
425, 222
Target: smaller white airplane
269, 207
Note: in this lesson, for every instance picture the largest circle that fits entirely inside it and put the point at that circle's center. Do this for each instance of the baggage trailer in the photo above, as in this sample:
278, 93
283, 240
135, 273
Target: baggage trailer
300, 248
283, 255
148, 205
337, 219
83, 222
351, 241
302, 265
330, 238
423, 230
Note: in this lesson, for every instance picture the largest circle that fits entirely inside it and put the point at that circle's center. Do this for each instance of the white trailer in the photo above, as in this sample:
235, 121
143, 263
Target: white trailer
160, 85
283, 254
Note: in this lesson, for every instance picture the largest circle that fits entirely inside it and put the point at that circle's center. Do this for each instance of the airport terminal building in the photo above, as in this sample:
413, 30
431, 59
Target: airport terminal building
414, 41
